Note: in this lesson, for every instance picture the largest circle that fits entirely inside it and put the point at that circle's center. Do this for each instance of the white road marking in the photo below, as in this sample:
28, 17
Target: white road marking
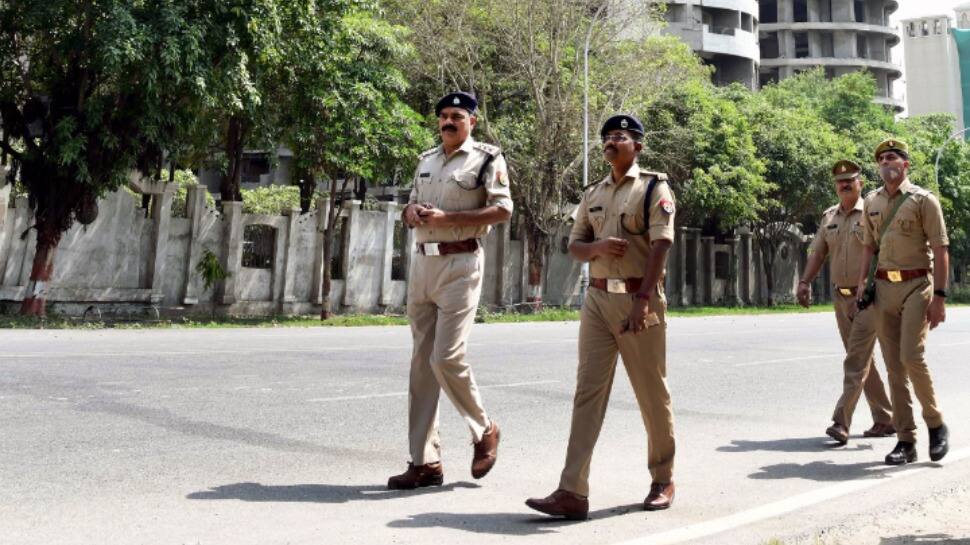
831, 355
404, 394
782, 507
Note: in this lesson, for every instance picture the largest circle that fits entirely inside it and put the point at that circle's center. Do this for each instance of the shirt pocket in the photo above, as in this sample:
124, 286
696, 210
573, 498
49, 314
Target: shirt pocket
461, 193
597, 219
632, 220
905, 222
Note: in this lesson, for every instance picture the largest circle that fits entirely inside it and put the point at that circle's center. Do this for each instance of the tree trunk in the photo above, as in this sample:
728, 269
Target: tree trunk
328, 250
768, 264
235, 139
306, 183
538, 244
35, 302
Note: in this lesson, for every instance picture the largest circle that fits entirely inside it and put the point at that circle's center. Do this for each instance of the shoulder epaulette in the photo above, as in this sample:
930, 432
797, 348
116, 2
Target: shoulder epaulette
590, 186
494, 151
921, 191
831, 209
660, 176
428, 153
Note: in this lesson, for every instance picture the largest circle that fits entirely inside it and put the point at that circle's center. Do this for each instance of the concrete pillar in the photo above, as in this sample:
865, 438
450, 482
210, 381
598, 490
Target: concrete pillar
231, 249
502, 239
392, 212
162, 218
352, 209
734, 268
194, 208
759, 275
288, 259
697, 297
680, 272
323, 211
4, 212
746, 268
708, 282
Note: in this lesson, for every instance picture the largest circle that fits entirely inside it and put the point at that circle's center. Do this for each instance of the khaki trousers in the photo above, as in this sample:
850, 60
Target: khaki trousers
902, 336
860, 374
443, 294
645, 358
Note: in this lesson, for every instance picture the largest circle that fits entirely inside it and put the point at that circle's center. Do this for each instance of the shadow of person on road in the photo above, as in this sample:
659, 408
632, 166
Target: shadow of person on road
928, 539
799, 444
513, 524
316, 493
829, 471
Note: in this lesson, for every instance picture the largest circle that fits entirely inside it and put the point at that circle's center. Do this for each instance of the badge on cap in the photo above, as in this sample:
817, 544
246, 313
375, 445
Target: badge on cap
667, 206
841, 168
456, 101
624, 124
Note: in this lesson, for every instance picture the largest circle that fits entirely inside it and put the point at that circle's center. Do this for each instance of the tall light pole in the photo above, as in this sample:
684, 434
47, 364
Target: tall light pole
939, 152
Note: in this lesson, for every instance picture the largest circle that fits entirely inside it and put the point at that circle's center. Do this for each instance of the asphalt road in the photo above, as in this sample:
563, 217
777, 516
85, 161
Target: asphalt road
266, 436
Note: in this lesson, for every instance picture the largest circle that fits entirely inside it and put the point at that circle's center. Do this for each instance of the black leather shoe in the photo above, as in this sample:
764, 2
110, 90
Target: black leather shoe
904, 453
939, 442
838, 432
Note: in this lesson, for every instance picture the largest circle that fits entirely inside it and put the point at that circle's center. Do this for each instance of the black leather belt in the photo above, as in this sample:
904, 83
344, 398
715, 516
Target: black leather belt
616, 285
448, 248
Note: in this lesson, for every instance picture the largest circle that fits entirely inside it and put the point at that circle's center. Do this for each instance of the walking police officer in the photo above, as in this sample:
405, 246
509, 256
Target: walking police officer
839, 238
904, 224
460, 189
624, 228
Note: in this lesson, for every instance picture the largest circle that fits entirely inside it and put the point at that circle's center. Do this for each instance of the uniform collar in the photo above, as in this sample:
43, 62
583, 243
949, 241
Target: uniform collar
632, 174
859, 204
467, 146
905, 187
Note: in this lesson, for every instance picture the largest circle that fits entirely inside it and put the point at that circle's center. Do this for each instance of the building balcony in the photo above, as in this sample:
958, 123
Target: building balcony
892, 70
744, 6
729, 41
892, 36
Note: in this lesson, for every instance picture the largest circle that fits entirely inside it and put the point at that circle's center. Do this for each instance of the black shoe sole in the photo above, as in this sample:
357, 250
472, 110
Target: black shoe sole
569, 516
938, 457
437, 481
908, 460
838, 438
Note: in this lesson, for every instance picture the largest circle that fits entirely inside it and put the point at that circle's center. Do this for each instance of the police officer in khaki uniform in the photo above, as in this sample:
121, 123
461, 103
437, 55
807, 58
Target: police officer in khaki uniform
839, 237
624, 228
912, 260
460, 189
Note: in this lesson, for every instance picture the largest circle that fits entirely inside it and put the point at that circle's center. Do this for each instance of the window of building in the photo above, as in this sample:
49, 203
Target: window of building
938, 26
861, 46
825, 11
801, 11
801, 45
767, 11
769, 46
860, 11
259, 243
722, 267
747, 22
768, 76
924, 29
254, 165
911, 29
965, 21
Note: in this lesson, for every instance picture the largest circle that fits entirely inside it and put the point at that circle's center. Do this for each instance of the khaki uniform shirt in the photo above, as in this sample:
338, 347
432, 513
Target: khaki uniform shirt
448, 183
839, 238
615, 209
917, 226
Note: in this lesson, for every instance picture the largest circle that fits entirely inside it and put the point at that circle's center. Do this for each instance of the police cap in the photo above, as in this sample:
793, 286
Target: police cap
622, 122
458, 99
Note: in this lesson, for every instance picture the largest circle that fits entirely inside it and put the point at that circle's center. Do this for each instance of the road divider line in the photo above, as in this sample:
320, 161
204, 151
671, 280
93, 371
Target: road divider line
783, 507
404, 394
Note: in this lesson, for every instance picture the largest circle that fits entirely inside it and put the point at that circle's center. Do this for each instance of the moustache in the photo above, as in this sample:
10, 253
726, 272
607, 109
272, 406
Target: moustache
449, 128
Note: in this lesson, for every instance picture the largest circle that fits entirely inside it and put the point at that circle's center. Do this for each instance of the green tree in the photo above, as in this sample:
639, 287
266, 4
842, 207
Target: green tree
344, 114
88, 92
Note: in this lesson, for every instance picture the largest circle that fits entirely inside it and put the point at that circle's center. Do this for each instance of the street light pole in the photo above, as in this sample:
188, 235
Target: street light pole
939, 152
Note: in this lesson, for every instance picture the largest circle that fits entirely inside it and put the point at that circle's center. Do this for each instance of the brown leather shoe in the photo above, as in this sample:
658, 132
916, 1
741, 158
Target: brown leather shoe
418, 476
880, 430
486, 452
838, 432
661, 496
561, 503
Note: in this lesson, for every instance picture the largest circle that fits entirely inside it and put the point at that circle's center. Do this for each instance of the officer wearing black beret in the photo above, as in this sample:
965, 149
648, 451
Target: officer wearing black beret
624, 228
458, 99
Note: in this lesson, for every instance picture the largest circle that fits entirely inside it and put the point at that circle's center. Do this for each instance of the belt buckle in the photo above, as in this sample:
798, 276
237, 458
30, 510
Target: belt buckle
431, 249
616, 285
846, 292
894, 276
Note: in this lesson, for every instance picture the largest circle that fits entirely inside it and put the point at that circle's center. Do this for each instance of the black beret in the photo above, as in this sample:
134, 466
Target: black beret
459, 99
622, 122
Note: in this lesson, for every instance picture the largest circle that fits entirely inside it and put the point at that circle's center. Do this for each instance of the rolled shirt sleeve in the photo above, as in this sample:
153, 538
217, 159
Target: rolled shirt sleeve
497, 191
582, 230
662, 211
933, 223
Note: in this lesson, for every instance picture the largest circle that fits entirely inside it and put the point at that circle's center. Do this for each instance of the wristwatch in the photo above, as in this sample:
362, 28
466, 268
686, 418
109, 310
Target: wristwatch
940, 293
644, 296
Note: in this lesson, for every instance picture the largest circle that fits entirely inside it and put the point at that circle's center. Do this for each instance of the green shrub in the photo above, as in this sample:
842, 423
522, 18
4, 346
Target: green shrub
271, 199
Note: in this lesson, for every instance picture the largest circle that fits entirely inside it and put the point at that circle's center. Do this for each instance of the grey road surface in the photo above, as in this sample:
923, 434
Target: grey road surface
287, 436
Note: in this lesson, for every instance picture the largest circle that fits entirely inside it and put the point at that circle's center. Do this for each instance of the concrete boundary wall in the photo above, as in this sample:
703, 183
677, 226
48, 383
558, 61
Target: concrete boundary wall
128, 261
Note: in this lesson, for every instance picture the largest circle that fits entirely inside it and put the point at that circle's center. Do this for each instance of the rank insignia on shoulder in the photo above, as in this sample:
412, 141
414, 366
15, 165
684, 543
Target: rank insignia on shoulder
501, 178
667, 206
